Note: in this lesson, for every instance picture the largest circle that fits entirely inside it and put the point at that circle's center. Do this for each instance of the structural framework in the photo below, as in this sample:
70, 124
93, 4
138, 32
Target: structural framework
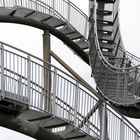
42, 101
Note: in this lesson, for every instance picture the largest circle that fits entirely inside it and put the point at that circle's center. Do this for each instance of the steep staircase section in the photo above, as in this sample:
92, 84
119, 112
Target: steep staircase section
52, 16
111, 65
66, 107
55, 106
114, 69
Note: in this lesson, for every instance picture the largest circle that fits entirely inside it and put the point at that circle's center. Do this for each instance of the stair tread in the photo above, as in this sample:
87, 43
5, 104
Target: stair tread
75, 134
33, 114
5, 12
74, 35
55, 22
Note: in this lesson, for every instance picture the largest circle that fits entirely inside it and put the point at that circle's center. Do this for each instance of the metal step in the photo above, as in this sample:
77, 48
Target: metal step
104, 27
68, 133
13, 103
49, 122
109, 54
23, 12
75, 134
5, 12
106, 45
82, 43
105, 36
40, 17
55, 22
67, 30
74, 35
32, 114
104, 12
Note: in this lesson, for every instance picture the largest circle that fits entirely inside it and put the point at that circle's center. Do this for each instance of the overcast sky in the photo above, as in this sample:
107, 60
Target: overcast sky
29, 38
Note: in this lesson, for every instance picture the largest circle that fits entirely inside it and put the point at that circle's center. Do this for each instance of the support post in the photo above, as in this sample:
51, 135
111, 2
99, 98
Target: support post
54, 92
2, 71
15, 2
76, 103
3, 3
122, 129
29, 78
103, 121
47, 74
69, 8
53, 5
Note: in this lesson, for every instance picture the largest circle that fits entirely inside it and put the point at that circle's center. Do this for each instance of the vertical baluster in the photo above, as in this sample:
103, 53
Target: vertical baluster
69, 10
29, 78
19, 90
136, 136
21, 2
15, 2
2, 71
122, 129
135, 86
88, 127
86, 28
43, 88
103, 121
76, 103
53, 7
3, 3
54, 92
36, 4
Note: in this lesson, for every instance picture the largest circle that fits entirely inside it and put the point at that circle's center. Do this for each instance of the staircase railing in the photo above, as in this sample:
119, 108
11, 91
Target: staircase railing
60, 94
62, 9
125, 70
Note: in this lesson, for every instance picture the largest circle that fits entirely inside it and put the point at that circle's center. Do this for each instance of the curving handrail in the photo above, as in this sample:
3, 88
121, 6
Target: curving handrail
129, 56
69, 99
62, 9
38, 95
24, 72
125, 70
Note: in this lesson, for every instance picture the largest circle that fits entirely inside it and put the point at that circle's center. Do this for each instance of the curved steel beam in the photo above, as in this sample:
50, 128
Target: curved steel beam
53, 31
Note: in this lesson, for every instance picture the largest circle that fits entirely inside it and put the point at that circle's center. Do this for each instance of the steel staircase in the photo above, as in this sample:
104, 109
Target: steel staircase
71, 110
74, 112
24, 94
48, 15
115, 70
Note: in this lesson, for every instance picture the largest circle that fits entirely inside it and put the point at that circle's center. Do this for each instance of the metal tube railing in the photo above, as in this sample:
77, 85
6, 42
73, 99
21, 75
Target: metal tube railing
62, 9
70, 100
2, 71
124, 69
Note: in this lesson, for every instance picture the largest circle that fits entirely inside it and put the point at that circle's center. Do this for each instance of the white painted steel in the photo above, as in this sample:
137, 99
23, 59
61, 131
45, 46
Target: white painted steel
24, 74
70, 100
121, 84
62, 9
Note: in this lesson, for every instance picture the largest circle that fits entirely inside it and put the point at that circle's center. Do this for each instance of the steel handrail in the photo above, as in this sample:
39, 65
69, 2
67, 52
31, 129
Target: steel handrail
36, 84
45, 5
47, 63
103, 59
90, 96
132, 70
